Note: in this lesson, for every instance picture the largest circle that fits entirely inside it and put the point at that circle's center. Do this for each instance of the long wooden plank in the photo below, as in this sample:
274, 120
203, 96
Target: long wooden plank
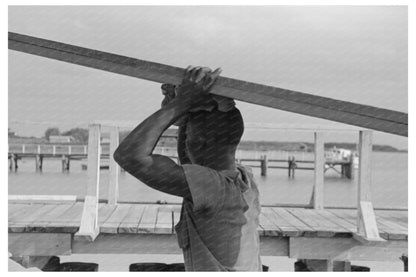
286, 228
22, 223
68, 222
130, 223
322, 107
269, 228
295, 222
351, 217
148, 221
323, 227
113, 222
41, 223
18, 210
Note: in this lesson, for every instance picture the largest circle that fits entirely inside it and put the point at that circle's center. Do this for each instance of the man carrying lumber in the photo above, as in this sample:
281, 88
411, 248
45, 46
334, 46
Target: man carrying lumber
219, 217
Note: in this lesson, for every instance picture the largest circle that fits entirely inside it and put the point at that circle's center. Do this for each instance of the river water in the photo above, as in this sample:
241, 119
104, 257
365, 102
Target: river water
389, 183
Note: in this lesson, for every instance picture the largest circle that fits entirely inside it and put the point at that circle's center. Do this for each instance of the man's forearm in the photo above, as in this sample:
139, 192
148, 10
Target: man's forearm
142, 140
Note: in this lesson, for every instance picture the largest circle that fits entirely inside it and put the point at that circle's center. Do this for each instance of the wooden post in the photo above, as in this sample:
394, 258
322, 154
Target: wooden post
85, 150
366, 221
37, 163
263, 165
69, 149
53, 150
89, 228
318, 186
114, 168
38, 149
23, 148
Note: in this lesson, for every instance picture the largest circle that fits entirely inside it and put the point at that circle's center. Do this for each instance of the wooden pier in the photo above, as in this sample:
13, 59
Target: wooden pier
329, 236
68, 152
42, 229
59, 225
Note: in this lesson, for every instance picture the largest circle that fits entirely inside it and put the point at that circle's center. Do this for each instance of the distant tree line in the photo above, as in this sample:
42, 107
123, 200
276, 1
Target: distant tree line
80, 135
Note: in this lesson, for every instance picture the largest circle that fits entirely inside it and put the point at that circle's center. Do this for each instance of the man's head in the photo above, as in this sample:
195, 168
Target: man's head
212, 137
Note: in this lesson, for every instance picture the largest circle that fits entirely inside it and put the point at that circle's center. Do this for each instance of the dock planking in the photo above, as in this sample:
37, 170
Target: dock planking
68, 222
305, 230
40, 224
130, 224
111, 224
164, 220
269, 228
285, 227
148, 221
161, 219
322, 226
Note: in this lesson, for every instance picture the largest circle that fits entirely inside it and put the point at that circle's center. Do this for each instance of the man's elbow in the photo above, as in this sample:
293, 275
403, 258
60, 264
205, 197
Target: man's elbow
127, 160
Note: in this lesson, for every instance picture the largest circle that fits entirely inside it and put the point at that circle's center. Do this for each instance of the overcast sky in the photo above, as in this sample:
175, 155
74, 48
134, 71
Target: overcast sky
357, 54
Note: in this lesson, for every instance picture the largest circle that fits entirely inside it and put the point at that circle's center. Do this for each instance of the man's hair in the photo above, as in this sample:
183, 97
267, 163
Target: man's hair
216, 127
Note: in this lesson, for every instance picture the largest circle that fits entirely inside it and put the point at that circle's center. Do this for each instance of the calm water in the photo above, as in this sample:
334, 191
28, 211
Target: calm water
389, 178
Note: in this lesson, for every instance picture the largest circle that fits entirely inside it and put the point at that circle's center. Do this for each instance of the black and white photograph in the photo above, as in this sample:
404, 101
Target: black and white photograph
255, 138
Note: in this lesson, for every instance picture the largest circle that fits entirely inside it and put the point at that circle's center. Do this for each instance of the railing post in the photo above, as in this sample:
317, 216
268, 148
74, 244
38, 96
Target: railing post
366, 221
89, 228
114, 168
38, 148
53, 150
69, 149
318, 185
85, 150
23, 148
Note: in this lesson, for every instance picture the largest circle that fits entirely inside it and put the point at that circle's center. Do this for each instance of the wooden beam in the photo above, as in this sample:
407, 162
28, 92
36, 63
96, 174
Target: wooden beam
39, 244
341, 249
89, 228
302, 103
113, 192
318, 186
59, 199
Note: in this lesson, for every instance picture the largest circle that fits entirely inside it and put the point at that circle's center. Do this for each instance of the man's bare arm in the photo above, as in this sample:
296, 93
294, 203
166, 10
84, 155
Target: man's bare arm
134, 154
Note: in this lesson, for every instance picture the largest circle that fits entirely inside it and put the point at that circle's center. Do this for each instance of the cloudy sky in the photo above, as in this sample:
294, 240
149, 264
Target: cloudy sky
357, 54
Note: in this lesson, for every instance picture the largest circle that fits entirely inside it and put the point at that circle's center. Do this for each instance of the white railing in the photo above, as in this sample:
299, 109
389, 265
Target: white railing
366, 223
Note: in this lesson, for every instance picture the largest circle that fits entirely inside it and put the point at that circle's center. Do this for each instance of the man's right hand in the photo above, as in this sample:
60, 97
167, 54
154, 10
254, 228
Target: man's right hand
195, 86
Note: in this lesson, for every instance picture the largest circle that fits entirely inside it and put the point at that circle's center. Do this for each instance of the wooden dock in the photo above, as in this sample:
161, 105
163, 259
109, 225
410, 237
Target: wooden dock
314, 234
49, 229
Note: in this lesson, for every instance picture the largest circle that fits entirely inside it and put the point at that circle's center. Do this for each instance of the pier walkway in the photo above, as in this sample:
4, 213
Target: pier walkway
46, 229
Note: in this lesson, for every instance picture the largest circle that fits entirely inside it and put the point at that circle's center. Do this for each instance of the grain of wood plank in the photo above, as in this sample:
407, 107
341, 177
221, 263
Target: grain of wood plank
269, 228
321, 226
281, 223
15, 208
399, 217
164, 221
131, 222
104, 212
148, 221
68, 222
340, 220
24, 210
113, 222
23, 223
41, 223
336, 220
351, 217
295, 222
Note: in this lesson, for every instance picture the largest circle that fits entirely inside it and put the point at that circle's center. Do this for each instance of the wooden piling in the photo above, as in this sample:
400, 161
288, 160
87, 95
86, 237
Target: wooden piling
263, 165
38, 162
65, 163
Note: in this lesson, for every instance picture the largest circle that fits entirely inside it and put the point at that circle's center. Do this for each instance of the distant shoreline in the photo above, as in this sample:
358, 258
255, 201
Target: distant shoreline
247, 145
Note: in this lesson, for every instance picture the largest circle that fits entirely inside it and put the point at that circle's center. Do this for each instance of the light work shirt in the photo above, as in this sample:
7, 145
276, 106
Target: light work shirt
217, 230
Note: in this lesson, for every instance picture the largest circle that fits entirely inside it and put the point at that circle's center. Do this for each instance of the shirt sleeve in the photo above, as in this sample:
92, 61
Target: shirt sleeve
206, 185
